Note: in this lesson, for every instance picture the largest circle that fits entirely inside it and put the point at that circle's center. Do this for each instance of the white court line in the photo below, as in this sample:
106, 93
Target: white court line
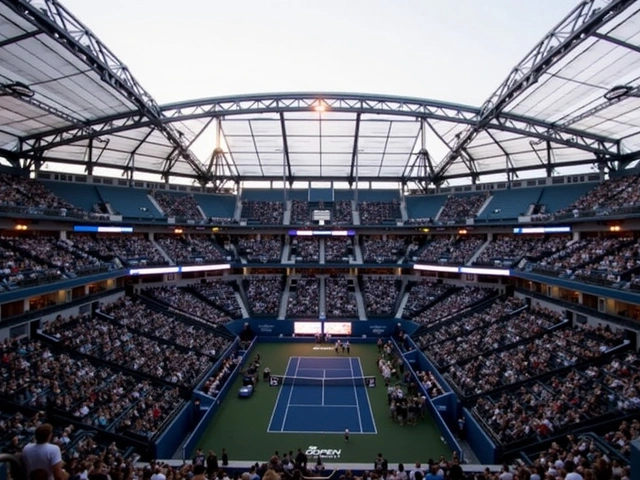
315, 432
355, 392
323, 375
307, 368
324, 406
293, 382
275, 405
366, 392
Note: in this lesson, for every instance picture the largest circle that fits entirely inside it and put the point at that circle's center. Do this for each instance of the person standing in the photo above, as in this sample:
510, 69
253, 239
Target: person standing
225, 457
212, 463
199, 459
348, 347
42, 456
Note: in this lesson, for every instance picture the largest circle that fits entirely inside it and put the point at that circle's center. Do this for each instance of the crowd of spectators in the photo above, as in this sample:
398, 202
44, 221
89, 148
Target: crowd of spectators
340, 300
221, 293
620, 438
131, 249
181, 207
264, 212
469, 330
612, 266
606, 197
383, 248
260, 248
305, 249
184, 250
300, 213
421, 295
146, 351
586, 252
57, 254
187, 303
458, 208
454, 251
34, 198
20, 270
92, 394
507, 250
263, 293
454, 303
137, 317
550, 406
577, 454
380, 294
342, 212
213, 385
377, 213
337, 249
304, 299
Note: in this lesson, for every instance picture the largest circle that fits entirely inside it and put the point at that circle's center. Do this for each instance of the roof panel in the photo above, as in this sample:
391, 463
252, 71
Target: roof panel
337, 144
377, 128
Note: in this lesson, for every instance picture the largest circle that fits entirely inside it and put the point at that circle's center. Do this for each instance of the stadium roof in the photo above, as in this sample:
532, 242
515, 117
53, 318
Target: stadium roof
572, 101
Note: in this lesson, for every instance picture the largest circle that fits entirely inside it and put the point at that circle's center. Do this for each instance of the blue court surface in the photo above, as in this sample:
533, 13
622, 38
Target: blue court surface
325, 400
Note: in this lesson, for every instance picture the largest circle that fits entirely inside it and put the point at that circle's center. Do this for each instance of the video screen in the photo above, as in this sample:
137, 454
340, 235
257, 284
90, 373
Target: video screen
307, 328
337, 328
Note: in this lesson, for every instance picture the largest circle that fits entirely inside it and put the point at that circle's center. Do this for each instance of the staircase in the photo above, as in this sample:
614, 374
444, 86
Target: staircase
477, 254
362, 311
163, 253
323, 295
284, 301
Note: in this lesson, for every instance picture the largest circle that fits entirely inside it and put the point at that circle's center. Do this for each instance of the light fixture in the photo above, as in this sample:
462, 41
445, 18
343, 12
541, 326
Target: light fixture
618, 92
18, 89
319, 106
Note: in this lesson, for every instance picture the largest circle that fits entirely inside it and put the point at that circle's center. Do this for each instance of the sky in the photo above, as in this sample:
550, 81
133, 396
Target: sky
452, 50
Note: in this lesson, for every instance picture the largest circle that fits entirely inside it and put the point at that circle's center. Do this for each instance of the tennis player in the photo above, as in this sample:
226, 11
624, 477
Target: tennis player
346, 434
347, 345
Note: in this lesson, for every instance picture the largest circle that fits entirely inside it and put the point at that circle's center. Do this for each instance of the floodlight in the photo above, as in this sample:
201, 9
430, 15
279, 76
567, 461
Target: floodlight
18, 89
319, 106
618, 92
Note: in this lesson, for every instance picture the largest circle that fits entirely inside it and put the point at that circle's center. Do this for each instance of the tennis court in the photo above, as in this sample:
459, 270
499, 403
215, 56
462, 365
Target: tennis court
322, 395
248, 431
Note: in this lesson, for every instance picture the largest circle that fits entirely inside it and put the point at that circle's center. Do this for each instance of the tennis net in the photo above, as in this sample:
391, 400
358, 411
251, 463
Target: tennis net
278, 380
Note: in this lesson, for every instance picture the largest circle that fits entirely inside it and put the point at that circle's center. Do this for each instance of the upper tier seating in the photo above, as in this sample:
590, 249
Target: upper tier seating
424, 208
510, 204
217, 208
131, 203
183, 207
458, 208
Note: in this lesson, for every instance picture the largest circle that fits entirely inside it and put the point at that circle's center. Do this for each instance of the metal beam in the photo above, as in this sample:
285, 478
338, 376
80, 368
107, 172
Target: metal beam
354, 151
301, 102
617, 41
52, 18
579, 25
285, 146
18, 38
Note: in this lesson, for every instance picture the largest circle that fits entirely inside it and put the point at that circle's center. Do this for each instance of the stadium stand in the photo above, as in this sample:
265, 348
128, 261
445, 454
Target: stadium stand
260, 248
182, 207
424, 208
556, 199
304, 297
131, 203
510, 204
458, 208
217, 208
